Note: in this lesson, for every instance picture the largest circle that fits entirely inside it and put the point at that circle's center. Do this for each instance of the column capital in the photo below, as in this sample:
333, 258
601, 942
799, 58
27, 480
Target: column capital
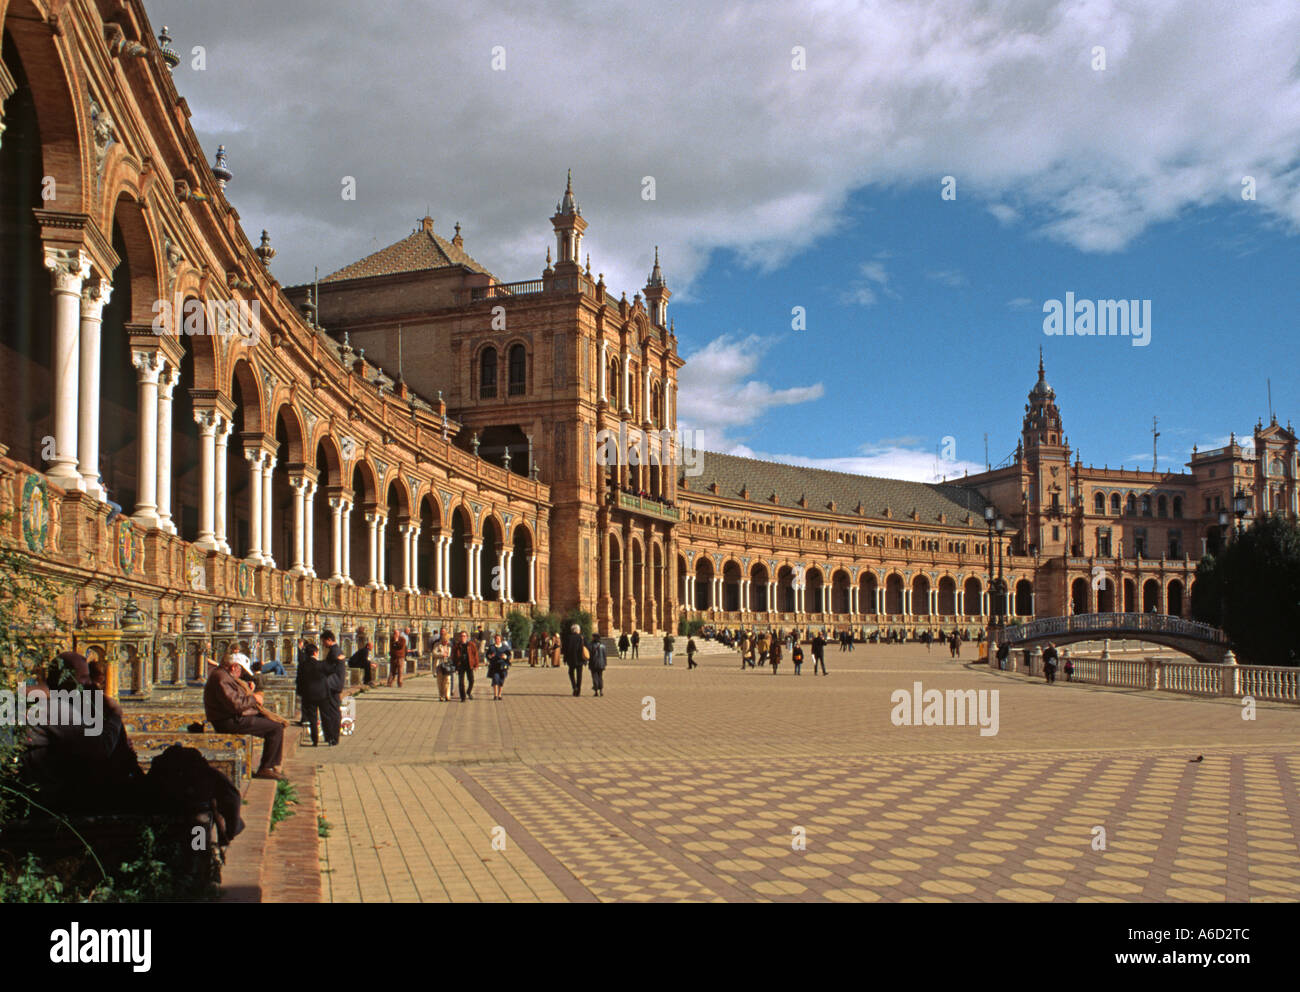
149, 365
338, 503
299, 483
254, 456
168, 381
69, 268
208, 420
95, 294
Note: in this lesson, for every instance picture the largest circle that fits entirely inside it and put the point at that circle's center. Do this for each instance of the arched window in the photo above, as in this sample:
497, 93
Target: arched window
487, 381
1100, 501
1146, 505
657, 412
1178, 506
1131, 505
1114, 503
518, 373
1162, 507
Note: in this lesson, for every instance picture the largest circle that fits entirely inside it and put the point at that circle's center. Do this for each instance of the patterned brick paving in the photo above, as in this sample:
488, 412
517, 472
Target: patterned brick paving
747, 786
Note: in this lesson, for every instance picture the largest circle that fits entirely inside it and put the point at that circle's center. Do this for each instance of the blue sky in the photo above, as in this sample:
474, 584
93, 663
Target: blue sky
925, 318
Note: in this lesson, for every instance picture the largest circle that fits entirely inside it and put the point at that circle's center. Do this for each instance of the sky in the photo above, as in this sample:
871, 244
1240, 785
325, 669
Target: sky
864, 210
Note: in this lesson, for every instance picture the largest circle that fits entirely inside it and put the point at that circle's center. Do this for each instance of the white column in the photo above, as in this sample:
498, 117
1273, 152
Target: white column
225, 427
207, 421
627, 383
439, 570
853, 600
171, 376
604, 372
148, 366
268, 476
372, 528
532, 578
645, 394
475, 571
381, 533
347, 543
404, 533
508, 567
254, 457
68, 269
958, 603
415, 560
309, 540
336, 538
299, 486
93, 297
502, 577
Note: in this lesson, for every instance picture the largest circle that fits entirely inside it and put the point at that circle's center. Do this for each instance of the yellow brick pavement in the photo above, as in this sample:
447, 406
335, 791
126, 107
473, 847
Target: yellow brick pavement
747, 786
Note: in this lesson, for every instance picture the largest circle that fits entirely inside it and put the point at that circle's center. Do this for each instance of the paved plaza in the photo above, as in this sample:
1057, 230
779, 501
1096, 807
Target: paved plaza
543, 797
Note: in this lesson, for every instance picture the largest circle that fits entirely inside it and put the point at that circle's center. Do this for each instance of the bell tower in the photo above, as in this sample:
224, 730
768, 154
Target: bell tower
1045, 472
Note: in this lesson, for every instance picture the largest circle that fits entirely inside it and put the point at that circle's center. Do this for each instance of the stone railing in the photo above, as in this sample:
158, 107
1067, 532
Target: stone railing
1265, 683
529, 287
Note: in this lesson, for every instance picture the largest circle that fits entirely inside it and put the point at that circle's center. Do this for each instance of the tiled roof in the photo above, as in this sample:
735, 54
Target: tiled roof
820, 487
419, 251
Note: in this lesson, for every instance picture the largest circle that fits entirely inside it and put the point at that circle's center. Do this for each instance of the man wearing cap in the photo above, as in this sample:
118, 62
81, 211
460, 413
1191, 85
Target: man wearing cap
232, 709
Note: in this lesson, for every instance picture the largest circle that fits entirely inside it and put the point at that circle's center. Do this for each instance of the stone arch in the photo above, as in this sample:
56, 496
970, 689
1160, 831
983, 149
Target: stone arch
1174, 598
840, 596
328, 461
972, 597
492, 543
293, 449
141, 258
522, 546
947, 596
732, 574
62, 110
250, 390
867, 585
1024, 598
894, 594
1151, 596
921, 595
1079, 596
704, 583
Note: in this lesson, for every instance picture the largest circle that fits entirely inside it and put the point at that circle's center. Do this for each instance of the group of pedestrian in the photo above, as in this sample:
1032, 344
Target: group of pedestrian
761, 649
632, 644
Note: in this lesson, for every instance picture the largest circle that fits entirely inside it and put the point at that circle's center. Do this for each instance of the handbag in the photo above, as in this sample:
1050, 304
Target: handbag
586, 655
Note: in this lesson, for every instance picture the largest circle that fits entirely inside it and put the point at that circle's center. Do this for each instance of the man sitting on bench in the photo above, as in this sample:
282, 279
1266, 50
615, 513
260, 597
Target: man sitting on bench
232, 709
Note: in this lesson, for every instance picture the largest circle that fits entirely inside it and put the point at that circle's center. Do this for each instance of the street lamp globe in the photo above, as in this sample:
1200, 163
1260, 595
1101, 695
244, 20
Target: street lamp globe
989, 514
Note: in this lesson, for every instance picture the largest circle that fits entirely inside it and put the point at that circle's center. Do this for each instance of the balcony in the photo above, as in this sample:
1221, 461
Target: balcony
648, 507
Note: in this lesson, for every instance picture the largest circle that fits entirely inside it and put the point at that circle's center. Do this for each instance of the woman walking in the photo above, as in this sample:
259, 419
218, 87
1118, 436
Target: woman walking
776, 654
498, 659
532, 649
623, 644
442, 665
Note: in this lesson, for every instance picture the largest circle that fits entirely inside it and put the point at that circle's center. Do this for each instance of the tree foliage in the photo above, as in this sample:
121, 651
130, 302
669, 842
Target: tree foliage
1251, 589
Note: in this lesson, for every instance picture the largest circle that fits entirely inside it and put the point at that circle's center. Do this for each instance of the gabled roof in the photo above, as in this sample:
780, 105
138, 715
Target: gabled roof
419, 251
819, 487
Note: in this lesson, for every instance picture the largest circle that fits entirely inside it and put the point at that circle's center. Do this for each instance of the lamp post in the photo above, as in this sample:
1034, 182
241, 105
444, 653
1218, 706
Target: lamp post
1240, 506
990, 514
999, 525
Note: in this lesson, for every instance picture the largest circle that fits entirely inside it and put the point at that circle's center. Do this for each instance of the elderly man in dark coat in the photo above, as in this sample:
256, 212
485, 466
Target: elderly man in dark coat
573, 647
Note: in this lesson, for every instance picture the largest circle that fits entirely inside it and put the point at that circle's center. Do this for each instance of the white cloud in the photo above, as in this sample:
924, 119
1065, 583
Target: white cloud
761, 158
888, 461
874, 279
717, 394
952, 278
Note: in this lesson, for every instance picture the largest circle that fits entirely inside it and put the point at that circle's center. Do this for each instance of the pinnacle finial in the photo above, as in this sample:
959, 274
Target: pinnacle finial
1041, 371
568, 183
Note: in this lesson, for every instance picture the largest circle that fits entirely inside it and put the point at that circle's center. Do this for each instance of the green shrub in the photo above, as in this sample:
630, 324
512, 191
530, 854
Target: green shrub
546, 623
689, 628
520, 627
582, 618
